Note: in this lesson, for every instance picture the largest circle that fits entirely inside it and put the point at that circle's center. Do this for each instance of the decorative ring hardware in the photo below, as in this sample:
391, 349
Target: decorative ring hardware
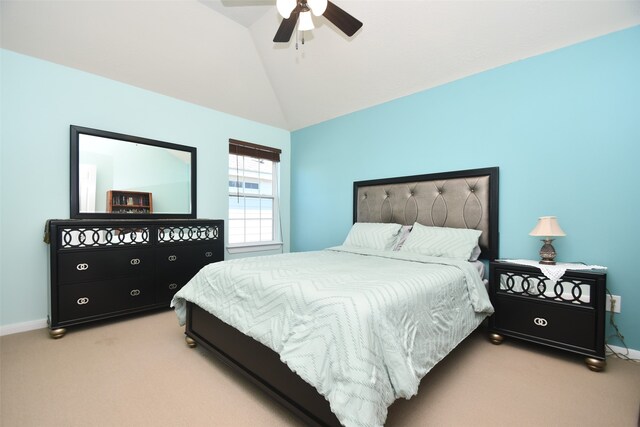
173, 285
83, 237
540, 321
135, 261
83, 300
134, 292
82, 266
208, 254
571, 290
172, 258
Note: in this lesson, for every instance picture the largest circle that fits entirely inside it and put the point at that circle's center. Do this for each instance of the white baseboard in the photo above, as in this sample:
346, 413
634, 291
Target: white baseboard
22, 327
633, 354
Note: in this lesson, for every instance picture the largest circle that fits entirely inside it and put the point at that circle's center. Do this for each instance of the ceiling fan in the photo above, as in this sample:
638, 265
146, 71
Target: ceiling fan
291, 10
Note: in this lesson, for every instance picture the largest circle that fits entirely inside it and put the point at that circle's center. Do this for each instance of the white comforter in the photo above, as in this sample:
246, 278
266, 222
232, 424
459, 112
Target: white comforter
361, 326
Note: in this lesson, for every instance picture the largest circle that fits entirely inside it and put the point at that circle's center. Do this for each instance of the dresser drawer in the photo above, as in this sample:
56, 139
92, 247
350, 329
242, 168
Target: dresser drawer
546, 321
87, 265
177, 265
167, 287
184, 261
81, 300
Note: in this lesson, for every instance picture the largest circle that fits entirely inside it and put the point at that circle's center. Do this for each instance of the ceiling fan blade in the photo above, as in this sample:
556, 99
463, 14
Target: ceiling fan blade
341, 19
283, 35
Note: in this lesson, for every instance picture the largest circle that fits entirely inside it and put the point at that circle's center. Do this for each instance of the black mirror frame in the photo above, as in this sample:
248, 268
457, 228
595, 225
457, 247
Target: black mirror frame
74, 187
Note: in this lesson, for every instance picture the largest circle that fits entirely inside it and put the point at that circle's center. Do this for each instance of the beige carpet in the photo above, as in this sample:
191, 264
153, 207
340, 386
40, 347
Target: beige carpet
139, 372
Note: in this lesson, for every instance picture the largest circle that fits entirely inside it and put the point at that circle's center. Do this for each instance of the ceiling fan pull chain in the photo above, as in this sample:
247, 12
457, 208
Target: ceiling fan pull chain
296, 40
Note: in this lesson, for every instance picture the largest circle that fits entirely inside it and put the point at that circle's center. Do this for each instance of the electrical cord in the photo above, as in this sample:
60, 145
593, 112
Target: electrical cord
618, 335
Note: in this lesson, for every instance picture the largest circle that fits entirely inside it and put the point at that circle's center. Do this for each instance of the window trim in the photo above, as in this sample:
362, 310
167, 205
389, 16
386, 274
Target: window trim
239, 248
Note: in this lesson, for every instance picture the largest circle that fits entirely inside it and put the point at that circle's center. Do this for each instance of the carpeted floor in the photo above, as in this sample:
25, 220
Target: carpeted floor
139, 372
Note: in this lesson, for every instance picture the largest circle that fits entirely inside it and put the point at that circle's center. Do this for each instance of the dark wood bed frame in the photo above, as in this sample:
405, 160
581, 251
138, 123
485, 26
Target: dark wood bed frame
263, 367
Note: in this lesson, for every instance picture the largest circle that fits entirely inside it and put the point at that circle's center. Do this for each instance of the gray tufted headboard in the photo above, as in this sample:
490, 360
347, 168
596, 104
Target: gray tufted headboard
461, 199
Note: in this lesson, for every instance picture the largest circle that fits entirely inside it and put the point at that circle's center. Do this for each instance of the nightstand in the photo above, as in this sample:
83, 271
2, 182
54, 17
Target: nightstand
567, 315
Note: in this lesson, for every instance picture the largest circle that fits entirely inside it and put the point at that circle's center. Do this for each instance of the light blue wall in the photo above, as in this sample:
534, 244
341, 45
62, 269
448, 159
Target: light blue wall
563, 127
39, 102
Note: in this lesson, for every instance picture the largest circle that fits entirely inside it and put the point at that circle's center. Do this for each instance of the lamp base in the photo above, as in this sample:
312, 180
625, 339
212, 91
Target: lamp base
548, 253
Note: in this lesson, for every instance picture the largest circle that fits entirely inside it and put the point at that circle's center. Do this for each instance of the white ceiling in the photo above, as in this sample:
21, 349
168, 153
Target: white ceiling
220, 54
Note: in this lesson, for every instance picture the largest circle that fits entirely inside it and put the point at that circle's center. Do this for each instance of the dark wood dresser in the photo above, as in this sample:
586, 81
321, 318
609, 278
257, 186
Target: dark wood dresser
107, 268
568, 314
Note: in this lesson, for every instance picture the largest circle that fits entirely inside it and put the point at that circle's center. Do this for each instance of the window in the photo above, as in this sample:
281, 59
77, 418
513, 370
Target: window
253, 194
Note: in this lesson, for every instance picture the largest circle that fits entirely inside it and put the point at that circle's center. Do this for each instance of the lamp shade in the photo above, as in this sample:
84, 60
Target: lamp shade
305, 23
317, 6
285, 7
547, 226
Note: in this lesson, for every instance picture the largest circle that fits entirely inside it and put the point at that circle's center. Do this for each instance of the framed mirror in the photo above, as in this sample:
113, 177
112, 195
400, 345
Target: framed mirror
122, 176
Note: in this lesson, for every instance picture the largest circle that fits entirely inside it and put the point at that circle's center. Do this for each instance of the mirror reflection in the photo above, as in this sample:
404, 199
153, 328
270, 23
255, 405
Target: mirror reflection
120, 175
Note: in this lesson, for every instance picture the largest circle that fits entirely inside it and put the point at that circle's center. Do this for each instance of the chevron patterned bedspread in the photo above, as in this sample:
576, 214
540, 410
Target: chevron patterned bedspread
363, 327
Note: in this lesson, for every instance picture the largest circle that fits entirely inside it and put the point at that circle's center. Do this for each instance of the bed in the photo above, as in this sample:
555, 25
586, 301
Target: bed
362, 323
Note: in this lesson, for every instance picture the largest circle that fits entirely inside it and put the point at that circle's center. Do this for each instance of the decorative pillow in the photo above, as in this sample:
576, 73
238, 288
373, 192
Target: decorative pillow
456, 243
373, 235
402, 236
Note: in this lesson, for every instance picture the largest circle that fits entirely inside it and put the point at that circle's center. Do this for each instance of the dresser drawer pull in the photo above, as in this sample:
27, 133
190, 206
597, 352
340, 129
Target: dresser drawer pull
82, 266
83, 301
208, 254
135, 261
173, 286
134, 292
540, 321
172, 258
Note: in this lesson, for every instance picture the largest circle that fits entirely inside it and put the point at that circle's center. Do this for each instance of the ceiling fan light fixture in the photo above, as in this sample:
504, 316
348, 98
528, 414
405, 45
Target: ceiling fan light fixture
301, 15
317, 6
305, 22
285, 7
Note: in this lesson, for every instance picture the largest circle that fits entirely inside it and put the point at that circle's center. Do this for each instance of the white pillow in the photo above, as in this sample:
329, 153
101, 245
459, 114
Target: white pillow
456, 243
373, 235
475, 253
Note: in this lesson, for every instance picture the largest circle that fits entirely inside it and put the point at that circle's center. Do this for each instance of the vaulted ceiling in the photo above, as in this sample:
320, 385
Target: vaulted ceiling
220, 54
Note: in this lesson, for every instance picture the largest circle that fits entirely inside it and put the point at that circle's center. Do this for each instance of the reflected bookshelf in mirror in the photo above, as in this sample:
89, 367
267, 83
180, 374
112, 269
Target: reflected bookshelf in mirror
120, 201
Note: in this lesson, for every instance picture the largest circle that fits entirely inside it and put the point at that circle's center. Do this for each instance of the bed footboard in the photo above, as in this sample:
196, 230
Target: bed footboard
259, 364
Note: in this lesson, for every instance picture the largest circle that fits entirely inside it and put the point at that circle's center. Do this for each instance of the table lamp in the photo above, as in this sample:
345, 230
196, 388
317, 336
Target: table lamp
547, 227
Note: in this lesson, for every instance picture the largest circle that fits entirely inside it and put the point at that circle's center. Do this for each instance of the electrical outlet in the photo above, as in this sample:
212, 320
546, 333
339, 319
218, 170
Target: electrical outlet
616, 300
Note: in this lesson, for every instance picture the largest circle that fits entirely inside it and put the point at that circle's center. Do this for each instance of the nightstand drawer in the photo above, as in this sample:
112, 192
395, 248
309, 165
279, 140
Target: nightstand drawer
545, 320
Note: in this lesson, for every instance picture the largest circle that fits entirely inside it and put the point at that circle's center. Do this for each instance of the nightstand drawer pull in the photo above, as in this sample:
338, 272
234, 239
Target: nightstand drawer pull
540, 321
135, 292
172, 286
172, 258
82, 266
83, 301
135, 261
208, 254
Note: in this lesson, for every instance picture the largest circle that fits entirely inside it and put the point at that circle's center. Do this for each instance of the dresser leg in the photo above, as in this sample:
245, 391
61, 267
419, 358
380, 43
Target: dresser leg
57, 333
496, 338
190, 341
596, 365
